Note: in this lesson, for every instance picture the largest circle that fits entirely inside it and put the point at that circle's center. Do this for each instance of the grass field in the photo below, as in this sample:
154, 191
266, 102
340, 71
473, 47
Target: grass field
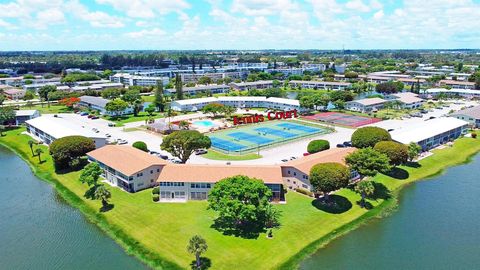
158, 233
54, 108
121, 120
214, 155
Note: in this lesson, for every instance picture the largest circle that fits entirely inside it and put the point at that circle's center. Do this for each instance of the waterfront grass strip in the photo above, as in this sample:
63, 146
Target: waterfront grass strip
158, 233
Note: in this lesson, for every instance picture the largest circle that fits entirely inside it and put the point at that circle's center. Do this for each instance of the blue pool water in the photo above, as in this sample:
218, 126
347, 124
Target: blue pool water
204, 123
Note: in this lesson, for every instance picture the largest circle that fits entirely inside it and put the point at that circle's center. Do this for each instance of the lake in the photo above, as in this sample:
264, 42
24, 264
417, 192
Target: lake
435, 227
38, 230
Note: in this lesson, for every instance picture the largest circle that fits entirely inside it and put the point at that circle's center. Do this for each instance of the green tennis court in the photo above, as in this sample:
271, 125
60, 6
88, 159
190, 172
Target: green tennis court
255, 136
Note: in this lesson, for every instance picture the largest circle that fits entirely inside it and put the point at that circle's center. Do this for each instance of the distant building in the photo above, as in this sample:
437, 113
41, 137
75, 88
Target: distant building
14, 93
457, 84
320, 85
135, 80
252, 85
431, 133
49, 128
213, 89
237, 102
21, 116
96, 87
471, 115
365, 105
98, 104
466, 93
127, 167
408, 100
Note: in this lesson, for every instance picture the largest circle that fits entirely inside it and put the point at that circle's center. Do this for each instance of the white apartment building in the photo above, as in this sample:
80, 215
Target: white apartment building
320, 85
237, 102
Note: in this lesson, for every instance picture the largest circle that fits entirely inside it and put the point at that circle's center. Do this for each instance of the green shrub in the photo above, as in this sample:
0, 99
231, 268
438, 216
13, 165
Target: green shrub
318, 146
304, 191
66, 149
156, 190
140, 145
369, 136
155, 197
396, 152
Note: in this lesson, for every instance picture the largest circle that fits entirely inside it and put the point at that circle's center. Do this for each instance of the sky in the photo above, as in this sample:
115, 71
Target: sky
238, 24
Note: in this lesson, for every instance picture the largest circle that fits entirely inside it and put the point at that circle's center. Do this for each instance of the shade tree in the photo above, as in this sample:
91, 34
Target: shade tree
328, 177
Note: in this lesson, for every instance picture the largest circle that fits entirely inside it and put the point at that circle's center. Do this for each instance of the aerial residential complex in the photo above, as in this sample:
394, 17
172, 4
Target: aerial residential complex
237, 102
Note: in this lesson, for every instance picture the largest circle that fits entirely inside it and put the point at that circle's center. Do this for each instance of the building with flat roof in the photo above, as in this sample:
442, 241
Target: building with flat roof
237, 102
127, 167
97, 87
213, 89
457, 84
320, 85
295, 172
471, 115
365, 105
99, 104
431, 133
21, 116
49, 128
466, 93
252, 85
131, 80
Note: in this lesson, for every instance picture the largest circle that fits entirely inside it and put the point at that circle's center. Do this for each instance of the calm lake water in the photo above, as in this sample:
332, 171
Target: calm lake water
38, 230
437, 226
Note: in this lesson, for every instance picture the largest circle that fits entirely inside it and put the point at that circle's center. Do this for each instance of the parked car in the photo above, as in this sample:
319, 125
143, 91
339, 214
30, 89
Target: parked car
153, 153
200, 151
284, 160
347, 144
83, 113
340, 145
111, 124
292, 158
306, 154
390, 130
163, 156
108, 135
94, 117
432, 117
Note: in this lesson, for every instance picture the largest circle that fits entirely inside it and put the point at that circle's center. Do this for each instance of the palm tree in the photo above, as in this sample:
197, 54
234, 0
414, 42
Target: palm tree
197, 245
170, 113
2, 128
39, 152
31, 143
102, 193
365, 188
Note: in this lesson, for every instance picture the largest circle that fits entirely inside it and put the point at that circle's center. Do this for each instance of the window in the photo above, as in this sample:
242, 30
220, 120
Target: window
151, 171
151, 180
294, 174
158, 170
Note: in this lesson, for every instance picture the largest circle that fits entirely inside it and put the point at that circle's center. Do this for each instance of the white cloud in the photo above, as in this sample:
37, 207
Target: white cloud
150, 33
95, 18
262, 7
378, 15
357, 5
146, 8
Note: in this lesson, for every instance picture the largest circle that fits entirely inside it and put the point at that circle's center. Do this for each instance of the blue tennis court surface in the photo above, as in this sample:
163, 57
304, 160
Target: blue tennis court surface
251, 137
298, 127
276, 132
243, 136
226, 145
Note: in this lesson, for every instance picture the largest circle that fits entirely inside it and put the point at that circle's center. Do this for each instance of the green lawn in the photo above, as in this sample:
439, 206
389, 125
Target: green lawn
54, 108
159, 232
215, 155
142, 116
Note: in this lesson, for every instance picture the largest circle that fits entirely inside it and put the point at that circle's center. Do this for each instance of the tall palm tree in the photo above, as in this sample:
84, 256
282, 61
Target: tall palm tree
365, 188
102, 193
39, 152
197, 245
31, 143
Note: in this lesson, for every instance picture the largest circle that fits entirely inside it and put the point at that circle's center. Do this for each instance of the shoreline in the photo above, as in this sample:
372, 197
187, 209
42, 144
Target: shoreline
153, 260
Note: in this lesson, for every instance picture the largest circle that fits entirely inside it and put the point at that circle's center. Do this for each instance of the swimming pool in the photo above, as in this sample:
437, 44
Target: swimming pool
204, 123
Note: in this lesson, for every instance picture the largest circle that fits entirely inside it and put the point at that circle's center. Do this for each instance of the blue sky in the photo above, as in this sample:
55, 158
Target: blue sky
238, 24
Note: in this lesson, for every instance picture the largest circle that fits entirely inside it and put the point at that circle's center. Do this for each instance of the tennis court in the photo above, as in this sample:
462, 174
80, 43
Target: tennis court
255, 136
343, 119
